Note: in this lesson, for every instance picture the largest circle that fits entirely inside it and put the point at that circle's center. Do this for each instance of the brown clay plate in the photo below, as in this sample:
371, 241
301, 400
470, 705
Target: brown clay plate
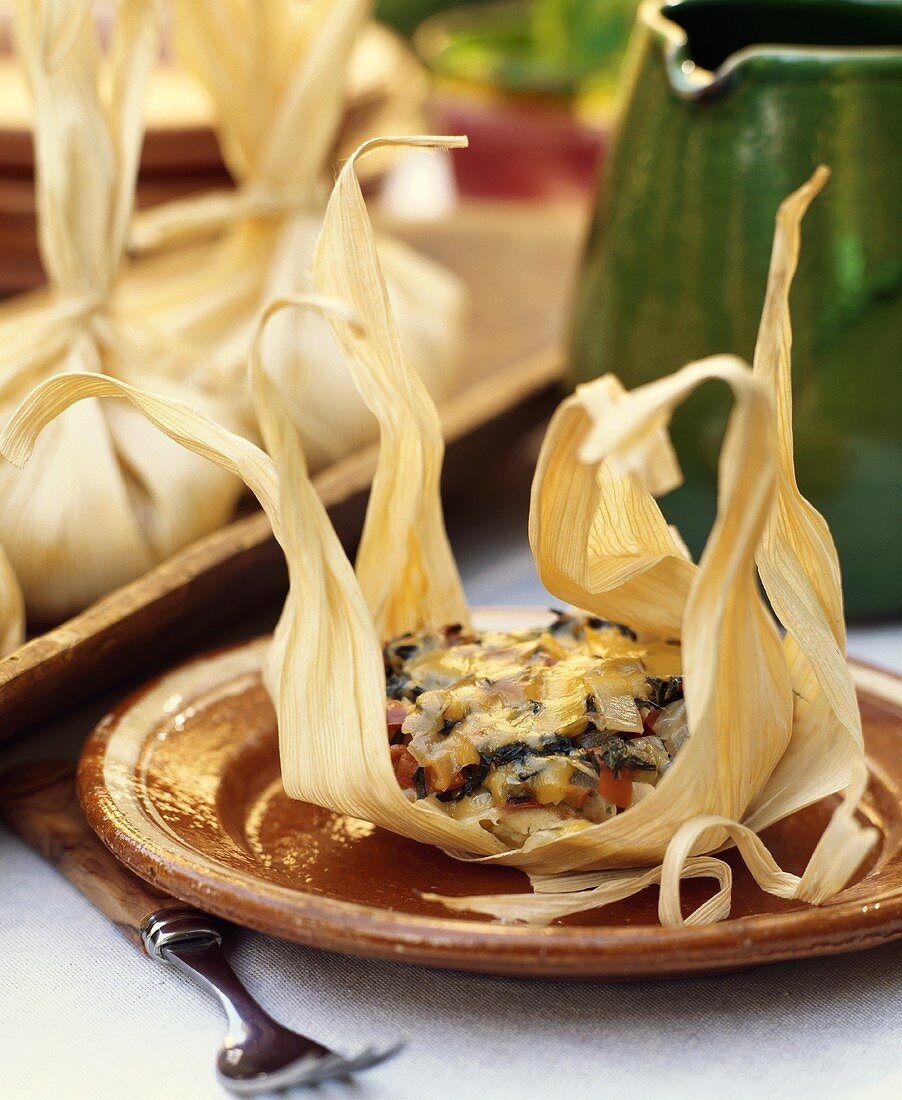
182, 783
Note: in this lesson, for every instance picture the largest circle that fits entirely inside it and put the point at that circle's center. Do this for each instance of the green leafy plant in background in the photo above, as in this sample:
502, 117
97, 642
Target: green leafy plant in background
557, 48
581, 35
406, 15
574, 39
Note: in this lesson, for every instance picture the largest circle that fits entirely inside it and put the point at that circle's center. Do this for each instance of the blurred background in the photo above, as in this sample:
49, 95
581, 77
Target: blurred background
531, 82
654, 143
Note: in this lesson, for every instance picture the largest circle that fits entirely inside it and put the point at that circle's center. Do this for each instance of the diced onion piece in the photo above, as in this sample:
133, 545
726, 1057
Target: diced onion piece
553, 781
620, 713
672, 726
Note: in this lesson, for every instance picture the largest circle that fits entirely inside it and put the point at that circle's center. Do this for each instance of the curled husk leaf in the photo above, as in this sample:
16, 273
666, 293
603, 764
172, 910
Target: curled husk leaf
106, 497
277, 74
600, 542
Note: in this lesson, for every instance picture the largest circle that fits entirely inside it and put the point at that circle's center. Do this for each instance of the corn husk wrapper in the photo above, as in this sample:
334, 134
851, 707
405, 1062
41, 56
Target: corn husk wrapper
626, 549
276, 72
751, 751
12, 608
106, 497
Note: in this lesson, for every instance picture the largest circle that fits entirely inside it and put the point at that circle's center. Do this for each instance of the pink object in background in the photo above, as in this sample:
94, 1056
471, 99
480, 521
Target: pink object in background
523, 150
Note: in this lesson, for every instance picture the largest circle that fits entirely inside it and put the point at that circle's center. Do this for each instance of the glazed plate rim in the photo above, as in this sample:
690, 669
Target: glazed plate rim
115, 812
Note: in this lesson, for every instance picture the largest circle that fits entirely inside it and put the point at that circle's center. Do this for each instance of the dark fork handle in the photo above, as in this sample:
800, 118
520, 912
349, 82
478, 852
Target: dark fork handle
39, 803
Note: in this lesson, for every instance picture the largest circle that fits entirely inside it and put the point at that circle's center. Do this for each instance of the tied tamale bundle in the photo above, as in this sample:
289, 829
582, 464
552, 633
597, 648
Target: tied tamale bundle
276, 73
662, 720
106, 497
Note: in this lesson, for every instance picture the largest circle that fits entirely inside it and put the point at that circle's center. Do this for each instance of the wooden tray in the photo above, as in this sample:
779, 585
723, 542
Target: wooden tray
518, 264
182, 783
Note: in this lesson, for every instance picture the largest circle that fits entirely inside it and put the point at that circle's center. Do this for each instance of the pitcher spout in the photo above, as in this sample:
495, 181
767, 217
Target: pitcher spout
707, 45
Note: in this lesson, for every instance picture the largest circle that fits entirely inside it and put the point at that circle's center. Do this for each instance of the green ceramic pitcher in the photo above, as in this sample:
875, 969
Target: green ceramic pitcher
728, 105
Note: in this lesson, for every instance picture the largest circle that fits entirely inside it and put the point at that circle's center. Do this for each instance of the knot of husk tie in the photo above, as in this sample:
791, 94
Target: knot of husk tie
214, 212
77, 308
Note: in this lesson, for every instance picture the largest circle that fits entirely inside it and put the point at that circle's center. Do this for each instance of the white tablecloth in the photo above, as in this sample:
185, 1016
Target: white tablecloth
84, 1015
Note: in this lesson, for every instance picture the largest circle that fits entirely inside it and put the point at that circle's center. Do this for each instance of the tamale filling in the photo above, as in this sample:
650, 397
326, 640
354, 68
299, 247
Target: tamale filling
555, 727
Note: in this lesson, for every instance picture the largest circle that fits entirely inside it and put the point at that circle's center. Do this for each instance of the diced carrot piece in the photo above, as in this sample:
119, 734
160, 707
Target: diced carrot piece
616, 788
395, 713
404, 764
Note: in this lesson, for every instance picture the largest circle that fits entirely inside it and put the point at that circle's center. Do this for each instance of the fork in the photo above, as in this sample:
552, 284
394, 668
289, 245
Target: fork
258, 1055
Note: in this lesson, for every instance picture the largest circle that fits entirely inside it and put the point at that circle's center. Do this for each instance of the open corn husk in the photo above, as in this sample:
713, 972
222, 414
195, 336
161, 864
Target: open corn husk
625, 550
106, 497
276, 72
754, 751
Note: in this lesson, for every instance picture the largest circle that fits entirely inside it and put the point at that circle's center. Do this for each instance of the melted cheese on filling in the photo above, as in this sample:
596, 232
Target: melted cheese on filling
546, 728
